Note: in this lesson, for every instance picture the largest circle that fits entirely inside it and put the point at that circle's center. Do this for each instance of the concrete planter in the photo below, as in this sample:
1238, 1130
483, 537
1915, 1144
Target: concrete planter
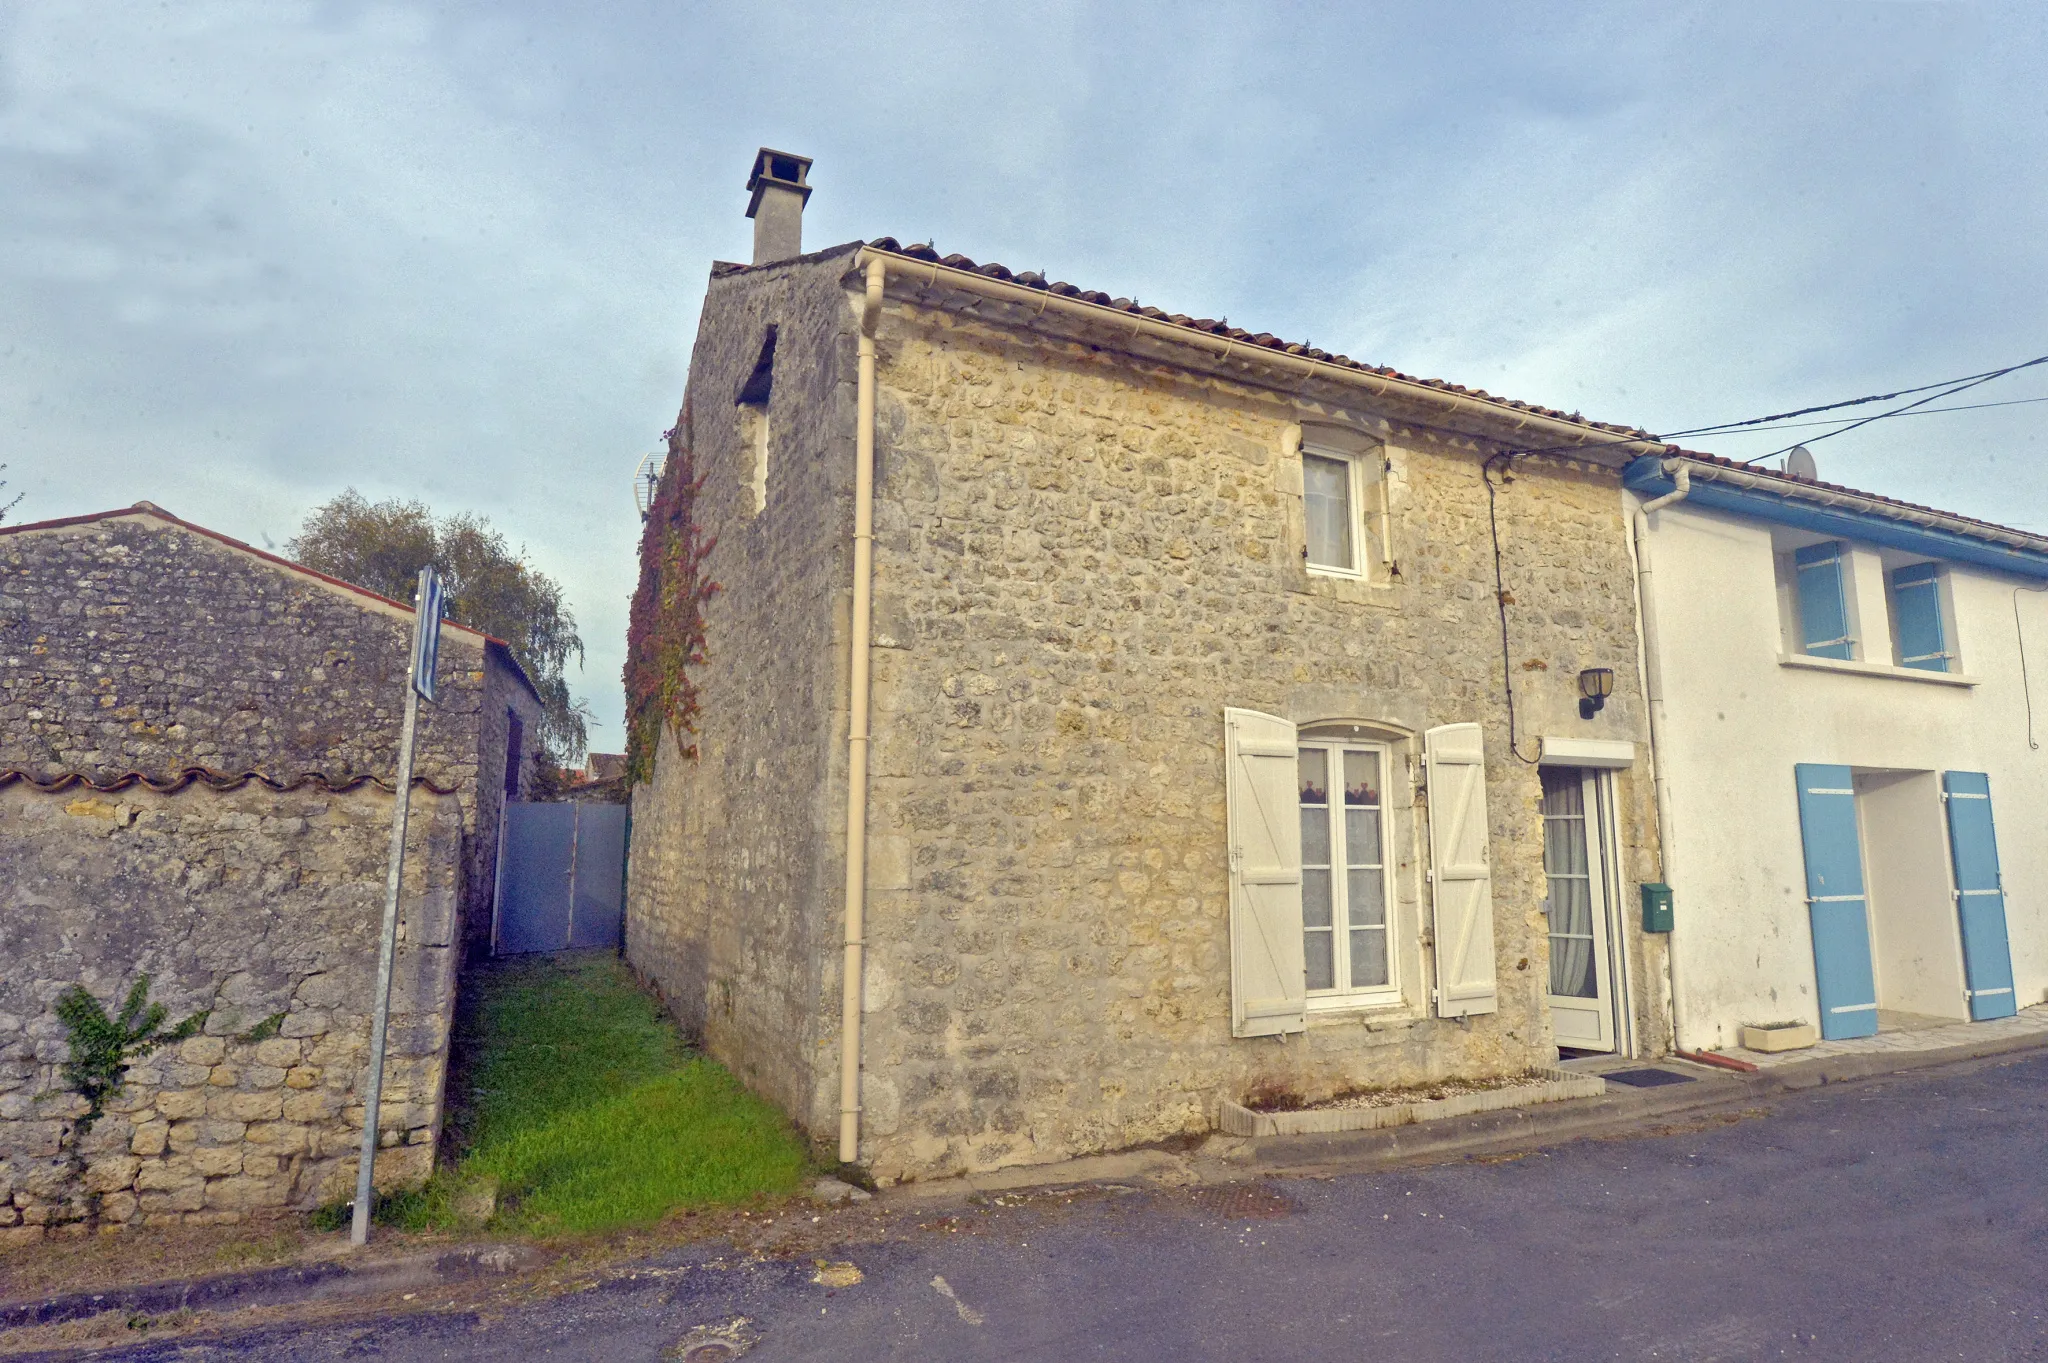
1796, 1037
1238, 1120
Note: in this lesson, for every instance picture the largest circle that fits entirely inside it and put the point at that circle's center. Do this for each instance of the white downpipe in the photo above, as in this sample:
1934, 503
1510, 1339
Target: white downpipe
857, 721
1653, 684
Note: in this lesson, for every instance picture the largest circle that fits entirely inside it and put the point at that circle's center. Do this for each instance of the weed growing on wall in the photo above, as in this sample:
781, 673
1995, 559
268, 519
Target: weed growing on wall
665, 633
102, 1047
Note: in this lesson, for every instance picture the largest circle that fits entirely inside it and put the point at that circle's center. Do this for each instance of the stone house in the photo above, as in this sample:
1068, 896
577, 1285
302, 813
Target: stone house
1050, 628
1856, 684
197, 742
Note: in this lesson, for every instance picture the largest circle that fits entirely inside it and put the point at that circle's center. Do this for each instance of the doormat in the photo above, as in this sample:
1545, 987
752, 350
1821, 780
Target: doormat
1645, 1079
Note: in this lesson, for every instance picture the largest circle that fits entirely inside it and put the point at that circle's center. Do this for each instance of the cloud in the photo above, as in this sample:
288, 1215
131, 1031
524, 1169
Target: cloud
252, 254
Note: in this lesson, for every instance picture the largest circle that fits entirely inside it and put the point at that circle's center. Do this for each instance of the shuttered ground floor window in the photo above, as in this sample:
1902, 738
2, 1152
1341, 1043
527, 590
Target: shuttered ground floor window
1313, 923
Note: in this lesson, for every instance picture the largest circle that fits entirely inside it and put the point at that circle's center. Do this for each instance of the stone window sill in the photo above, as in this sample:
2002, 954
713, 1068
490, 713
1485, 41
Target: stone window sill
1862, 669
1331, 1012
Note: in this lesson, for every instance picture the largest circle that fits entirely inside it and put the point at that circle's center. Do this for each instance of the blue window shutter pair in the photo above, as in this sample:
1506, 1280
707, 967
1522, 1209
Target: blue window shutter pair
1980, 894
1823, 609
1916, 600
1835, 899
1837, 904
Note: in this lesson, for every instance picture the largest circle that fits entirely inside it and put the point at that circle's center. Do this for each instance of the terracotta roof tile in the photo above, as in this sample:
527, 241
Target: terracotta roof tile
1032, 279
1794, 486
218, 780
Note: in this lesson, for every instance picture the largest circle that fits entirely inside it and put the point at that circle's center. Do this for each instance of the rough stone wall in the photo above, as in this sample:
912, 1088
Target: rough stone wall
139, 645
734, 886
249, 903
1081, 561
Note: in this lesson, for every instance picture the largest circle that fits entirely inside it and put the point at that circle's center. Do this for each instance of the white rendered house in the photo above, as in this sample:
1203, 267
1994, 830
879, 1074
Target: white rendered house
1849, 764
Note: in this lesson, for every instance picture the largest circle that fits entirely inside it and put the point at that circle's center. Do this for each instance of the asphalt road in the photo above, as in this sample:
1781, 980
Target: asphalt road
1905, 1219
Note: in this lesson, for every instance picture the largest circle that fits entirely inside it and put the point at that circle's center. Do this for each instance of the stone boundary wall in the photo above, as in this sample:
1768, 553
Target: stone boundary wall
250, 903
137, 644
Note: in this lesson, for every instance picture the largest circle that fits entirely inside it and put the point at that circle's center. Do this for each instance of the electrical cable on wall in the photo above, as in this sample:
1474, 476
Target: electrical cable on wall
2020, 638
1500, 597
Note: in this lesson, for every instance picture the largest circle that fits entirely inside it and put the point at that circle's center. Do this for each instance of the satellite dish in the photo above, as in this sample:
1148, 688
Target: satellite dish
646, 479
1799, 464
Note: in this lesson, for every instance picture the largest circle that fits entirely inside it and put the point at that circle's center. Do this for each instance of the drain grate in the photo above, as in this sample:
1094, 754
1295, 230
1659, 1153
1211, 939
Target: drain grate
1241, 1202
1646, 1079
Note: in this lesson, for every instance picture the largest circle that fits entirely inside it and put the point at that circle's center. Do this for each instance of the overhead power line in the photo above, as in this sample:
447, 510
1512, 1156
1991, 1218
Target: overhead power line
1955, 387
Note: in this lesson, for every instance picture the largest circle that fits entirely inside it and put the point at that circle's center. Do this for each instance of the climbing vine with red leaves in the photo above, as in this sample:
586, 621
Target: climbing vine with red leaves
665, 633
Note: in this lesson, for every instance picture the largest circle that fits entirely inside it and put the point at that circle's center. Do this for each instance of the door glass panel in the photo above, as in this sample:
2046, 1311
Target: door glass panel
1315, 835
1318, 951
1366, 896
1570, 901
1368, 958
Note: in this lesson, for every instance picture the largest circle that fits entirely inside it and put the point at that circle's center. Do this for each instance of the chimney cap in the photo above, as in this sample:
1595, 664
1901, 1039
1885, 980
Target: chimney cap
783, 169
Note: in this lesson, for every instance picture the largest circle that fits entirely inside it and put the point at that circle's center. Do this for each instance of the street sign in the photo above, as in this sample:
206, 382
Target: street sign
426, 647
426, 631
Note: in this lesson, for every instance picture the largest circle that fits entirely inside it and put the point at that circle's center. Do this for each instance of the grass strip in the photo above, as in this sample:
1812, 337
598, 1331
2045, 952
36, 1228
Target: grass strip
572, 1089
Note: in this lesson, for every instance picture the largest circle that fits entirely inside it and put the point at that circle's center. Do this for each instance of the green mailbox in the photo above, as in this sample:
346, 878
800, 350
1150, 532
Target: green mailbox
1656, 907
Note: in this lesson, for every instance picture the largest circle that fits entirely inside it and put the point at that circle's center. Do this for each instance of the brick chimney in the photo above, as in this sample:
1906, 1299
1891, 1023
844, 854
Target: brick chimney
777, 205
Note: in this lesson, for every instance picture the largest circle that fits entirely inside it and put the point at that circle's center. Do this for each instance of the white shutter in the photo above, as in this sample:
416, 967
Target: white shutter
1268, 986
1461, 881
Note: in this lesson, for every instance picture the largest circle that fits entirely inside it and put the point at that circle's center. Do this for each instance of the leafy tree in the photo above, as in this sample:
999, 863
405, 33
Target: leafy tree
383, 546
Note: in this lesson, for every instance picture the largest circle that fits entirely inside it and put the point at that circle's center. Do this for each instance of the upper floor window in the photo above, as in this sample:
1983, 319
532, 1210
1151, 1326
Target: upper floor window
1919, 618
1824, 630
1329, 496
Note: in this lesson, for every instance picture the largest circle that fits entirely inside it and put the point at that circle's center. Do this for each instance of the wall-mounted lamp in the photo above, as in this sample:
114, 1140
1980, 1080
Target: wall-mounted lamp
1596, 684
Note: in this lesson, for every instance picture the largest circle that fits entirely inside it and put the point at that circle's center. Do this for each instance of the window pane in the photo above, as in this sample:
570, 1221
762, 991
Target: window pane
1322, 969
1368, 958
1361, 778
1315, 899
1366, 898
1362, 837
1315, 835
1326, 498
1314, 766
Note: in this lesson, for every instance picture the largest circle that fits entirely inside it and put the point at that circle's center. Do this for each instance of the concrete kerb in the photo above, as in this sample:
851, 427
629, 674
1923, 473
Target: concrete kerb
1620, 1111
323, 1280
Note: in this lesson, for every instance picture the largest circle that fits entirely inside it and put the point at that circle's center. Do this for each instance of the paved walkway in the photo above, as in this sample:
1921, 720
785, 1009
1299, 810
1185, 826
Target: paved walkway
2027, 1022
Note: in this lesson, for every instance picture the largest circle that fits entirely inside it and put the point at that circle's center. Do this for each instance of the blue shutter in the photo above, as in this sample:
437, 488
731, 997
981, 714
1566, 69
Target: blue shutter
1823, 611
1980, 897
1835, 903
1916, 599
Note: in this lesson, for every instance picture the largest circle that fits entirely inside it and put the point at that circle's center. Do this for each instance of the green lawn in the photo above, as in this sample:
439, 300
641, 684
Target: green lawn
572, 1088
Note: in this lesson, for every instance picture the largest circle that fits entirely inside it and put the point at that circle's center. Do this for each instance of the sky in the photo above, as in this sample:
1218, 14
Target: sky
254, 254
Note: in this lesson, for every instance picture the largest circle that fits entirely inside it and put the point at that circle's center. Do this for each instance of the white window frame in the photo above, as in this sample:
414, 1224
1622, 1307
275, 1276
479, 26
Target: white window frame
1345, 996
1352, 462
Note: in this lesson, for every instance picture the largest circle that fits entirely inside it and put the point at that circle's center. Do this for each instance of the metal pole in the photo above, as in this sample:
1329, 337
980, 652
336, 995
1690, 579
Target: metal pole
381, 1018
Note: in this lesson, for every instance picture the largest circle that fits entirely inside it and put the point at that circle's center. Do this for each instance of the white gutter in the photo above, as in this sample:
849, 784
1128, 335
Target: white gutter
1653, 686
1851, 501
909, 271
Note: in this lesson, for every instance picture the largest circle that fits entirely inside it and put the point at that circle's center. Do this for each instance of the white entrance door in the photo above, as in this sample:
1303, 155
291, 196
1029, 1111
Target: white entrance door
1575, 861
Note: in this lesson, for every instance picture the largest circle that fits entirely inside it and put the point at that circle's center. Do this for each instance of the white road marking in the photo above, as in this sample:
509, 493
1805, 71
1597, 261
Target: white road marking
967, 1313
